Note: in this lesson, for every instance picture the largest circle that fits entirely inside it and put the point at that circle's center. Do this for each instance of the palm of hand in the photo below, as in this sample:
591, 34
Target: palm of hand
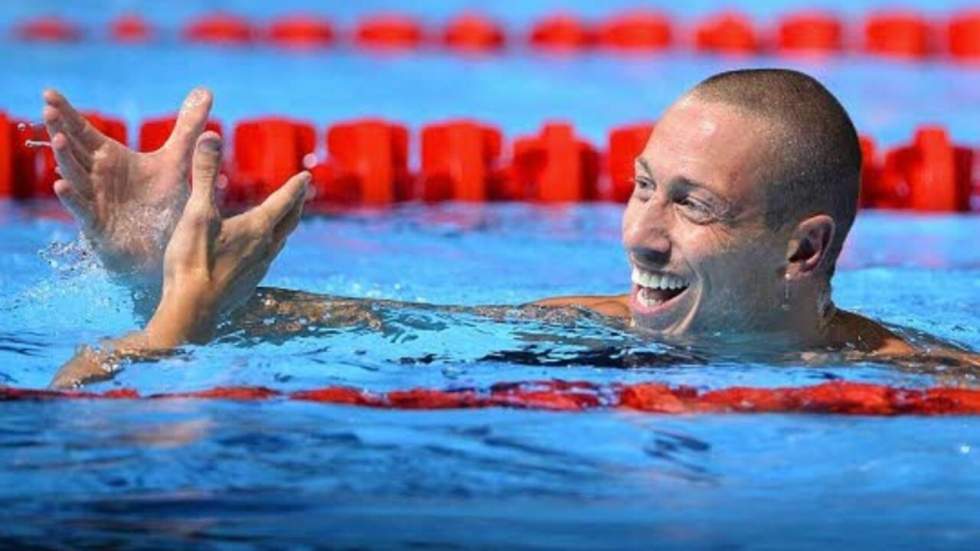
126, 202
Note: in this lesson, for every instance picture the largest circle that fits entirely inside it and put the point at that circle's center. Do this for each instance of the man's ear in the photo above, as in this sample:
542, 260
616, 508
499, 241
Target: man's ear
809, 246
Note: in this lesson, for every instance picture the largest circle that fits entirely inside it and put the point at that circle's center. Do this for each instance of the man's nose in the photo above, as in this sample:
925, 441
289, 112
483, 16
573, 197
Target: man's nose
646, 234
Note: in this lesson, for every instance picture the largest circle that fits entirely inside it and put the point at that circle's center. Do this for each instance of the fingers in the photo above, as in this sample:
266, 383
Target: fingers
285, 200
191, 120
70, 168
205, 167
75, 126
78, 206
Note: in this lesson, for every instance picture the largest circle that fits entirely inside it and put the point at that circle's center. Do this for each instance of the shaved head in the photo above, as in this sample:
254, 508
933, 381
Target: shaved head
816, 164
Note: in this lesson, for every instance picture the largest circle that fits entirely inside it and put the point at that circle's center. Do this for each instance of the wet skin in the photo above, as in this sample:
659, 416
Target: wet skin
696, 215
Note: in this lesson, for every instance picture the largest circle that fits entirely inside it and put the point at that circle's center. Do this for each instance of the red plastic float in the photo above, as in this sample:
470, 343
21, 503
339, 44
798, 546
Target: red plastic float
473, 32
268, 151
562, 32
390, 31
833, 398
458, 161
48, 29
625, 145
7, 179
873, 192
638, 30
931, 174
964, 36
154, 132
130, 28
554, 166
220, 28
898, 34
368, 163
301, 31
727, 32
810, 32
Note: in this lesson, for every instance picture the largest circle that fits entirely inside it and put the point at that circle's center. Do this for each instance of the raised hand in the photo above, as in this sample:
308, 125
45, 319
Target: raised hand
127, 203
212, 264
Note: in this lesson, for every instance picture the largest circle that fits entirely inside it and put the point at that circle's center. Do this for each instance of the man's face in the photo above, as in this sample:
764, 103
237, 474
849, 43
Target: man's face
703, 260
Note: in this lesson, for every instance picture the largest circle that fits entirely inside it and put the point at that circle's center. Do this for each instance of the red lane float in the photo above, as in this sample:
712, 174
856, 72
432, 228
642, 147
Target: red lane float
637, 30
832, 398
473, 32
625, 145
368, 163
810, 32
898, 34
562, 32
554, 167
130, 28
48, 29
301, 31
873, 192
963, 36
727, 32
459, 161
8, 181
154, 132
389, 31
220, 28
931, 174
268, 151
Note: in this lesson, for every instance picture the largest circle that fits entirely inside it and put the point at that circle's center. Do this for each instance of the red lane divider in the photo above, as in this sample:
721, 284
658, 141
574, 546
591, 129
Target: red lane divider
473, 32
898, 34
625, 145
220, 28
555, 166
810, 32
930, 174
130, 28
637, 30
267, 152
368, 163
390, 31
459, 161
562, 32
727, 32
889, 33
48, 29
301, 31
837, 398
964, 36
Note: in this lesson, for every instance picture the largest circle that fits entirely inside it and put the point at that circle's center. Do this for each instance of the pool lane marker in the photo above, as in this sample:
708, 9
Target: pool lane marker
835, 398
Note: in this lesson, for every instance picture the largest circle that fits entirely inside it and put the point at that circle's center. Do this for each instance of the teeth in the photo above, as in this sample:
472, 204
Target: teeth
652, 280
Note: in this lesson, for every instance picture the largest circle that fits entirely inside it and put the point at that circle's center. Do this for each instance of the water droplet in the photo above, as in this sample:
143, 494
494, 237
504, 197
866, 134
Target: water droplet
309, 161
965, 449
22, 126
34, 144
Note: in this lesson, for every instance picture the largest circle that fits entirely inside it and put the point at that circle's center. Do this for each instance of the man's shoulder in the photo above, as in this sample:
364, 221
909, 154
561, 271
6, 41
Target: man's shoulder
608, 305
849, 330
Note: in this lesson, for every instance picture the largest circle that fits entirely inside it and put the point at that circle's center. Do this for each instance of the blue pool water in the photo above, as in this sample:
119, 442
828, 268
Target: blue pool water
188, 473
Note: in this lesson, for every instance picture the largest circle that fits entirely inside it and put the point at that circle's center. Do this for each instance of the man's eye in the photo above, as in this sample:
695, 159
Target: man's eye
643, 183
697, 211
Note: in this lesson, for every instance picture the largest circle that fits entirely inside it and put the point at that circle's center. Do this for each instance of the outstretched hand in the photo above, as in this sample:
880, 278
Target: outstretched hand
212, 264
127, 203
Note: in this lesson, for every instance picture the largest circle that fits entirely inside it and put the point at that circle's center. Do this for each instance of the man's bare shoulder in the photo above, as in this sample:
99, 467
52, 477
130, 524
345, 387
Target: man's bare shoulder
616, 306
869, 339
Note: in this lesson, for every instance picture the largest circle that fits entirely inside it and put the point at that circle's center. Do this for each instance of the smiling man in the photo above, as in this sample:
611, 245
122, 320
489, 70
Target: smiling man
744, 195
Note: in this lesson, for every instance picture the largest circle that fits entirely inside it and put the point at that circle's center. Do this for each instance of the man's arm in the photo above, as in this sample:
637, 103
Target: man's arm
211, 265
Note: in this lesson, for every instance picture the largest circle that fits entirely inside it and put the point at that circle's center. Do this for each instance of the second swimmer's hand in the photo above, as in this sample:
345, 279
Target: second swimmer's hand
213, 264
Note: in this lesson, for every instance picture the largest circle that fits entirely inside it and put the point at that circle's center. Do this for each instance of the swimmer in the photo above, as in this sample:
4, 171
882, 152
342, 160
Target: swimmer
743, 198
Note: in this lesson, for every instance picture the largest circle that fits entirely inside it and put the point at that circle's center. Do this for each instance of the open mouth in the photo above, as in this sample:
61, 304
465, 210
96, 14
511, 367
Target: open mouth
657, 288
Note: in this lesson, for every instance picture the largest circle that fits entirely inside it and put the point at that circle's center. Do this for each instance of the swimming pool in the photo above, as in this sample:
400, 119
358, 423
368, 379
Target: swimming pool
277, 472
